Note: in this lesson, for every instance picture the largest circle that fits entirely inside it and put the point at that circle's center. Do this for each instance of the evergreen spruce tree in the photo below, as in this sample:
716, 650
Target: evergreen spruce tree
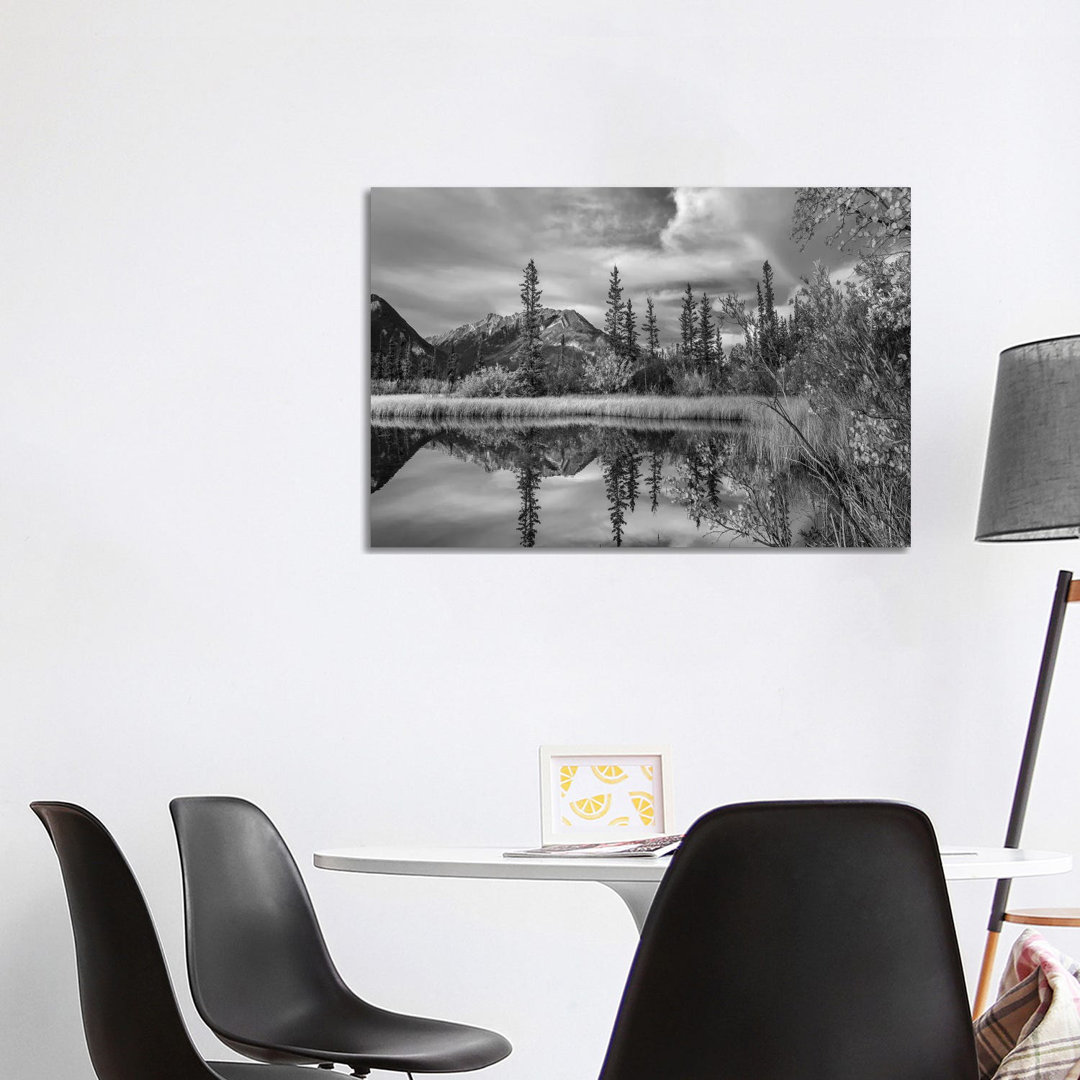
630, 331
761, 339
796, 330
652, 331
531, 368
768, 327
451, 368
686, 324
770, 300
705, 334
613, 320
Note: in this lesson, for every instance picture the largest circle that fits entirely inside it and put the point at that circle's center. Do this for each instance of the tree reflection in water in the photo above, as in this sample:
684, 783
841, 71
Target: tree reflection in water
656, 464
529, 478
771, 496
620, 457
727, 486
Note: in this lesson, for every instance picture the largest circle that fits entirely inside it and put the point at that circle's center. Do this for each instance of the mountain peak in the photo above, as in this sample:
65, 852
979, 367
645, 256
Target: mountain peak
492, 322
388, 325
496, 339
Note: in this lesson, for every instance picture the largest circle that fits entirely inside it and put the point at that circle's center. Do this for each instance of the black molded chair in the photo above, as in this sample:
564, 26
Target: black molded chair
798, 941
133, 1026
259, 969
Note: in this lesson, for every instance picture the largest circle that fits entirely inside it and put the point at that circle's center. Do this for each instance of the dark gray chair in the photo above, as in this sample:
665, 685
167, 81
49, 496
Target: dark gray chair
133, 1026
259, 969
798, 941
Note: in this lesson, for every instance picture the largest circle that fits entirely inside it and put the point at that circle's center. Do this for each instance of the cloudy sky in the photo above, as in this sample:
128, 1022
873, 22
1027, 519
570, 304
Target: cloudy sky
448, 256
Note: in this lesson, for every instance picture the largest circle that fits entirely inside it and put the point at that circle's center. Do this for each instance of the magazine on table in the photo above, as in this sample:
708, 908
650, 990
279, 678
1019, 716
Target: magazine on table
649, 847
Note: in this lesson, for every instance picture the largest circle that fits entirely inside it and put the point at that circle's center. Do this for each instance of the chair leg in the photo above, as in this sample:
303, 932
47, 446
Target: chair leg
982, 992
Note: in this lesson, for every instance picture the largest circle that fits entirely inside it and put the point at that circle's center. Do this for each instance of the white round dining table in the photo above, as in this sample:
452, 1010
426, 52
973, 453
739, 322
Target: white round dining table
636, 879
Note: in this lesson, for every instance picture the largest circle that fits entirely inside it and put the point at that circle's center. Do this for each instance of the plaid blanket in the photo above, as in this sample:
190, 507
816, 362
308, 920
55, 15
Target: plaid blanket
1032, 1031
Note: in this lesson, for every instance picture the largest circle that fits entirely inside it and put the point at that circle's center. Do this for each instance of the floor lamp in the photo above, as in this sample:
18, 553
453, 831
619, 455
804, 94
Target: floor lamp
1031, 491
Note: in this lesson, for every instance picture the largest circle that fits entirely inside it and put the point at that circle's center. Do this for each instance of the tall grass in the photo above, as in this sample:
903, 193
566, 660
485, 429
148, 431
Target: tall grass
479, 424
776, 442
628, 406
764, 435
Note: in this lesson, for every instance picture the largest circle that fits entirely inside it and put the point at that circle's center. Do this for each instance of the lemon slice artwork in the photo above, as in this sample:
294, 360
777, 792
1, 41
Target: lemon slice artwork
609, 774
566, 777
643, 804
592, 808
624, 820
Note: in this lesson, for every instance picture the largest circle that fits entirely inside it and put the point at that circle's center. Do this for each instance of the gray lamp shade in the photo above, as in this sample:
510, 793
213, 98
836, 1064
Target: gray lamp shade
1031, 484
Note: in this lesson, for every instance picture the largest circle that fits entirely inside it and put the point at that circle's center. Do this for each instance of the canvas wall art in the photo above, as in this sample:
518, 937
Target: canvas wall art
584, 368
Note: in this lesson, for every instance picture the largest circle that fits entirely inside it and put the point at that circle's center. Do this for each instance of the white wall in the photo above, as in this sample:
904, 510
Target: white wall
187, 605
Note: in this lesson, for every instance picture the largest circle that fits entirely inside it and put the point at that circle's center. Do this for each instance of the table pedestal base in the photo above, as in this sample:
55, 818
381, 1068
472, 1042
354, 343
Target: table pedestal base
637, 896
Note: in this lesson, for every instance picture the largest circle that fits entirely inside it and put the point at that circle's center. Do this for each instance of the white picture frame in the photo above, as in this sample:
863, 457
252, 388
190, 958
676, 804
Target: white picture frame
590, 794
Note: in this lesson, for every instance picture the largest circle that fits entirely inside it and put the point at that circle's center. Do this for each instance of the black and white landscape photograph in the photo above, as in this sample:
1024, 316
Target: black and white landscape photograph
572, 368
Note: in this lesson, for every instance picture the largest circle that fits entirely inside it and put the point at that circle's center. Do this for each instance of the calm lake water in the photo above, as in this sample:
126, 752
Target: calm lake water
564, 485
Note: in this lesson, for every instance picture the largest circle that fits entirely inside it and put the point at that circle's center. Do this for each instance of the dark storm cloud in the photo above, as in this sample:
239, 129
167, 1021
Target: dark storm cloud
447, 256
616, 218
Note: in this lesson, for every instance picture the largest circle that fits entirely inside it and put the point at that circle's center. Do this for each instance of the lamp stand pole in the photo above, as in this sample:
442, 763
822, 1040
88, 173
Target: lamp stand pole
1065, 592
